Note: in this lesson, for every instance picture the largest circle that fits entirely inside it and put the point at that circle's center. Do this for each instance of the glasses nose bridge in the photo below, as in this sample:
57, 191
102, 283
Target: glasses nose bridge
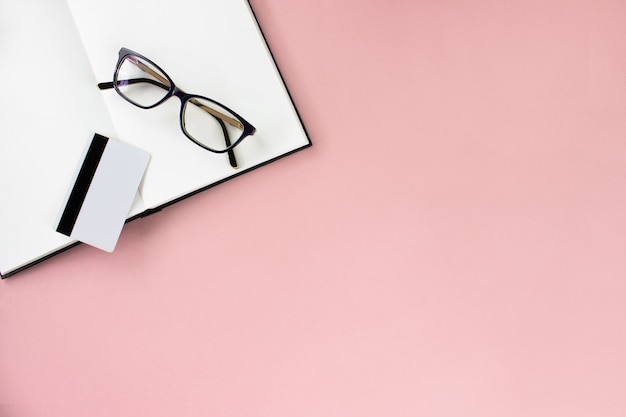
179, 93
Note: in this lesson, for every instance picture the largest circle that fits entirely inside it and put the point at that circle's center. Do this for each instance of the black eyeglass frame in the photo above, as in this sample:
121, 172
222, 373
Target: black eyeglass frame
173, 90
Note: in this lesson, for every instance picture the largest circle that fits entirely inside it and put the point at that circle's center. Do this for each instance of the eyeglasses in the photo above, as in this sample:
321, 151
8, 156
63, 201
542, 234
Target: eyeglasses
207, 123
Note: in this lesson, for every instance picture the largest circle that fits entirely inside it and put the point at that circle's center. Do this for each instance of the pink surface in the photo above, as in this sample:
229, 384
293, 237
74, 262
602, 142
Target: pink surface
452, 245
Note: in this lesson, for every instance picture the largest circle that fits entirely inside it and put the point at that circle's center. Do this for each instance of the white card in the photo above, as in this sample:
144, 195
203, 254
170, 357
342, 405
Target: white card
103, 192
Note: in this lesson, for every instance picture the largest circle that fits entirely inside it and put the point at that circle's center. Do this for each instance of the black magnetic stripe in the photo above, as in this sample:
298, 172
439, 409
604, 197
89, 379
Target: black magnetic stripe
81, 186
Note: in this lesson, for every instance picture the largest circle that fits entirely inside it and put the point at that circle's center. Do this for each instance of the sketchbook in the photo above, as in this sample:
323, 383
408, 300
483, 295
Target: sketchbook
55, 52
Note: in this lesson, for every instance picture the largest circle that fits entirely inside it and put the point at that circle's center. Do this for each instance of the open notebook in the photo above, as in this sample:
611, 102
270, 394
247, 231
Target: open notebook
53, 54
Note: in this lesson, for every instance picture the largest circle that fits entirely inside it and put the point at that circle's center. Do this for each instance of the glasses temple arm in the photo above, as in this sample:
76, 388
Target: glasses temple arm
231, 152
233, 122
148, 70
109, 85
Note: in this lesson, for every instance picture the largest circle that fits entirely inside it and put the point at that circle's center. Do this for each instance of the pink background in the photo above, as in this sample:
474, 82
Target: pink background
452, 245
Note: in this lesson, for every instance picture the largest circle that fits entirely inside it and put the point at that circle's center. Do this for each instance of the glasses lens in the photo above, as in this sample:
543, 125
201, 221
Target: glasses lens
210, 124
141, 82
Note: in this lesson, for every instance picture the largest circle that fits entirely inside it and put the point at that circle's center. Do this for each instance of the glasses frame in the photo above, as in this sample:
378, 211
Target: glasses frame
185, 98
